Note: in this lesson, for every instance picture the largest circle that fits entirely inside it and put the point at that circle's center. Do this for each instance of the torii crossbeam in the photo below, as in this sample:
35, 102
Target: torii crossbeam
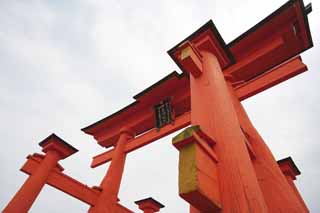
224, 164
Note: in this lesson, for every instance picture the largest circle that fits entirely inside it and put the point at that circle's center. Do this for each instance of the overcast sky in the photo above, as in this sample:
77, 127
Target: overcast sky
67, 64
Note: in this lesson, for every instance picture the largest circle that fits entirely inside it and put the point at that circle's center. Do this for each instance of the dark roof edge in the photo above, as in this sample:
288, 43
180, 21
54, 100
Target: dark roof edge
291, 163
149, 198
209, 25
44, 141
200, 30
169, 76
305, 11
308, 8
172, 74
86, 129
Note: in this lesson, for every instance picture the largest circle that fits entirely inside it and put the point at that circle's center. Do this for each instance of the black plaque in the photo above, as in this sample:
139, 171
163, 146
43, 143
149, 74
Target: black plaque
163, 113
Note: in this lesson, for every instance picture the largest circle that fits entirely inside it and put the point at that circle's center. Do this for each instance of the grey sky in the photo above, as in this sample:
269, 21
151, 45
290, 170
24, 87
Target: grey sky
67, 64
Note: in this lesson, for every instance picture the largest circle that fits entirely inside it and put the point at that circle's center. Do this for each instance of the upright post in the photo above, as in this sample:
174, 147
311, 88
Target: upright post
111, 182
271, 179
212, 109
55, 149
290, 171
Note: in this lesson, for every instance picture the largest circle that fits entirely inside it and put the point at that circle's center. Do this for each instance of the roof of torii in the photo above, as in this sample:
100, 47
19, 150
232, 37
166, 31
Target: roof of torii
265, 47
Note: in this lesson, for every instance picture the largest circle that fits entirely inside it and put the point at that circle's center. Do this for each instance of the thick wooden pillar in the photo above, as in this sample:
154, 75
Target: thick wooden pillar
108, 199
213, 110
55, 149
276, 190
29, 191
296, 191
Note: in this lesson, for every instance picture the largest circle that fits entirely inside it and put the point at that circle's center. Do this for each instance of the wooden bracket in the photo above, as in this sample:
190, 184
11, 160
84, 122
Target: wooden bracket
190, 59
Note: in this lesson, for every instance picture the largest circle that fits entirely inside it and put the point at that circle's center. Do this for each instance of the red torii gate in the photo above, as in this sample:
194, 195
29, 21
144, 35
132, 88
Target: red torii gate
224, 164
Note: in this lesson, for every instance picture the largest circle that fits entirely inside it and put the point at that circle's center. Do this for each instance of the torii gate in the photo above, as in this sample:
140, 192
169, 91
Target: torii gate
224, 164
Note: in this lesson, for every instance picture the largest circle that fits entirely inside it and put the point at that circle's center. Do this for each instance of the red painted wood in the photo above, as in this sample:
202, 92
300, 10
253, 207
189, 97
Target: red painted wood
193, 210
271, 179
213, 110
108, 199
273, 41
144, 118
277, 75
67, 184
271, 78
142, 140
63, 182
247, 184
27, 194
149, 205
289, 169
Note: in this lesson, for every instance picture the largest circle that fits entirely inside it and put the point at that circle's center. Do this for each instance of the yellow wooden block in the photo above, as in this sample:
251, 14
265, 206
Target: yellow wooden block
198, 179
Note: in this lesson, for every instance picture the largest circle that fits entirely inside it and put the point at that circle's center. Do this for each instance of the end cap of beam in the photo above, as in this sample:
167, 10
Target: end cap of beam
149, 203
53, 142
288, 167
206, 38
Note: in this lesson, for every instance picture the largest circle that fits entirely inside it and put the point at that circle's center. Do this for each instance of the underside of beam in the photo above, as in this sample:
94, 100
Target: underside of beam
63, 182
144, 139
275, 76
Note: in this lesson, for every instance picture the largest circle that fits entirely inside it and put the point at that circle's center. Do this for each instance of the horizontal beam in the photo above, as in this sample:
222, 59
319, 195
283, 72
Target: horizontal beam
275, 76
142, 120
108, 139
66, 183
254, 62
63, 182
146, 138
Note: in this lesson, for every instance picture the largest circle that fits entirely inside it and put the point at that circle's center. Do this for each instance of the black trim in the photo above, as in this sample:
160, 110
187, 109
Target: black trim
262, 22
54, 136
149, 198
279, 10
171, 75
308, 8
291, 163
305, 13
85, 129
211, 26
275, 13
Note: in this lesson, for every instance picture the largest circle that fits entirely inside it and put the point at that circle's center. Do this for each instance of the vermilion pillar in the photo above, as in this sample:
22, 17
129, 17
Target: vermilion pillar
149, 205
111, 182
290, 171
55, 149
271, 179
213, 110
